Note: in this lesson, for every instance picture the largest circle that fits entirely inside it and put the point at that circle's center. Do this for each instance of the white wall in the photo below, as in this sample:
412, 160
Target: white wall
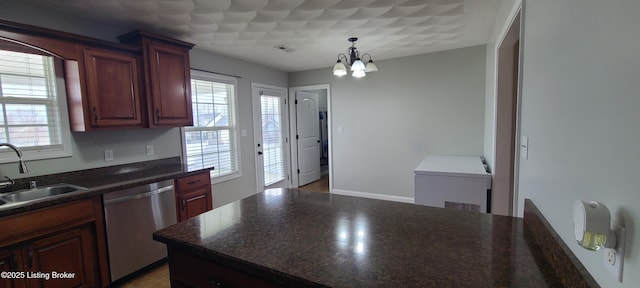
244, 186
580, 101
392, 119
130, 145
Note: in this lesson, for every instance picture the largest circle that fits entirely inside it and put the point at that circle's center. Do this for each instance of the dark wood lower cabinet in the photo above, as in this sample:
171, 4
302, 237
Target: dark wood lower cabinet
193, 195
68, 257
60, 260
189, 270
54, 247
194, 203
9, 263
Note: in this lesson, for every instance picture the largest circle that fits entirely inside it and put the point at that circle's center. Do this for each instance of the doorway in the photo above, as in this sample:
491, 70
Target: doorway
271, 127
311, 135
504, 187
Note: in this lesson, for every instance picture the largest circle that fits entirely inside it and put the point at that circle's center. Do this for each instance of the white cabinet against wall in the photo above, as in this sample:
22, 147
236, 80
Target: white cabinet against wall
457, 182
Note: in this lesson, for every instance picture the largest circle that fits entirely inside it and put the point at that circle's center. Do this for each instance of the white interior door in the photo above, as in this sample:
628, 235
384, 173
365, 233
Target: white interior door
308, 137
271, 126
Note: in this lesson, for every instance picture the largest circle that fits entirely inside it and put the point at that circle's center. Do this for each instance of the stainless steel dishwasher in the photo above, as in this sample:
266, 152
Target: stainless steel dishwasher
131, 217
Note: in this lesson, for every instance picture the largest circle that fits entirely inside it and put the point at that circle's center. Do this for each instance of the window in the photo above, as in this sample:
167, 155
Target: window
30, 117
212, 141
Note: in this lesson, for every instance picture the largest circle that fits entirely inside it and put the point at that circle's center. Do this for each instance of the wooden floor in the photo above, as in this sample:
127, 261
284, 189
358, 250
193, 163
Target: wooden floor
321, 185
156, 278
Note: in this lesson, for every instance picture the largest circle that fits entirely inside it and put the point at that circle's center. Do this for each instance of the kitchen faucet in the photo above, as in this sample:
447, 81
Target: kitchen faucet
22, 167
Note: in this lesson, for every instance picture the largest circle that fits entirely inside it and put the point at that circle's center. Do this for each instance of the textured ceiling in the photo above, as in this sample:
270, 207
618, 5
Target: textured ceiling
316, 30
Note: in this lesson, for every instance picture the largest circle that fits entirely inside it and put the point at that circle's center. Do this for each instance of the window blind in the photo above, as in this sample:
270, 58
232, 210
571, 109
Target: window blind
29, 114
211, 141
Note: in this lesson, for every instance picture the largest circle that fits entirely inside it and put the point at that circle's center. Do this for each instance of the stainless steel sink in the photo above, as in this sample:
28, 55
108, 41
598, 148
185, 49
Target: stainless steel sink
40, 192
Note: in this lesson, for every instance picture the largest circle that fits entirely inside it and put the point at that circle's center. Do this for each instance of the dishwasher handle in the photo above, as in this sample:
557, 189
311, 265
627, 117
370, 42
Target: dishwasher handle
141, 195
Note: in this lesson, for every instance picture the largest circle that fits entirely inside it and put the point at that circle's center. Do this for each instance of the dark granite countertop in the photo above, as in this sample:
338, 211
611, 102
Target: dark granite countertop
307, 239
100, 180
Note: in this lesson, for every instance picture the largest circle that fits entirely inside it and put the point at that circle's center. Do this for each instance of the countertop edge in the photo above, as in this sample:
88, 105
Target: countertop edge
97, 190
252, 269
565, 265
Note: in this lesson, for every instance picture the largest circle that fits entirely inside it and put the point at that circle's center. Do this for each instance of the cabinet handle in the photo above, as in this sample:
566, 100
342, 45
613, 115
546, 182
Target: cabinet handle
194, 182
13, 262
218, 283
157, 115
29, 259
95, 114
184, 204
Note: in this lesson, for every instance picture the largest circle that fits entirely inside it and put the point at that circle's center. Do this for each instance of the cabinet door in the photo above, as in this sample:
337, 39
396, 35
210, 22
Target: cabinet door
194, 203
169, 80
70, 251
190, 270
113, 89
9, 261
192, 182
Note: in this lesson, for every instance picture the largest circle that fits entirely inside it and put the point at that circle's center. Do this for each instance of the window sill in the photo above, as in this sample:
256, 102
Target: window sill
10, 157
228, 177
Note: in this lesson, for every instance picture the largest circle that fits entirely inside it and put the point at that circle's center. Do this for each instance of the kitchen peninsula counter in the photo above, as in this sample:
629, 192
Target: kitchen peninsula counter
292, 238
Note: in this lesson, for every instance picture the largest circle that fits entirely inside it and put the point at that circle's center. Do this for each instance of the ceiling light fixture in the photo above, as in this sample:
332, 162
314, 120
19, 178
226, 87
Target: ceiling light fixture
358, 68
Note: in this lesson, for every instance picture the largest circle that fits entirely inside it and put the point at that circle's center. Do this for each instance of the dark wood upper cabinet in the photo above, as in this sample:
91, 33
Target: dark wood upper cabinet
144, 81
113, 89
167, 78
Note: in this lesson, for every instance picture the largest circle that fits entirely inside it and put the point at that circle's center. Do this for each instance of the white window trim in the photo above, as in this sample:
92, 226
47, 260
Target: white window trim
33, 153
210, 76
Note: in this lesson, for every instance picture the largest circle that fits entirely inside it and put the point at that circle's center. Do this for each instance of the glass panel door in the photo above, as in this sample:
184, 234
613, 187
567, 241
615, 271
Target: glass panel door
271, 130
272, 139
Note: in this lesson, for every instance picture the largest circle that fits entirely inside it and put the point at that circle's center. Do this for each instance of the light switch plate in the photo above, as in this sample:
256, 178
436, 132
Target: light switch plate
108, 155
149, 150
524, 147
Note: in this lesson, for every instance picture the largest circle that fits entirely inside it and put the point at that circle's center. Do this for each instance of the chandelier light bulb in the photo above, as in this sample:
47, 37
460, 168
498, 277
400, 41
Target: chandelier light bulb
358, 73
358, 65
339, 69
371, 67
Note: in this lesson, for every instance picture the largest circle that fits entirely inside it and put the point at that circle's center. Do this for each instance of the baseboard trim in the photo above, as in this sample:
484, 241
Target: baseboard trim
373, 195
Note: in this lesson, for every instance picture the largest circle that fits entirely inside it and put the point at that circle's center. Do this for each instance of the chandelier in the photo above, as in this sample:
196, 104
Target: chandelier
358, 69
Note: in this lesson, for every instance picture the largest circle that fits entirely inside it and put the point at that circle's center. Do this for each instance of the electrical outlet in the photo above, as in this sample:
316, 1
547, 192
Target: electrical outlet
614, 258
610, 255
149, 150
108, 155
